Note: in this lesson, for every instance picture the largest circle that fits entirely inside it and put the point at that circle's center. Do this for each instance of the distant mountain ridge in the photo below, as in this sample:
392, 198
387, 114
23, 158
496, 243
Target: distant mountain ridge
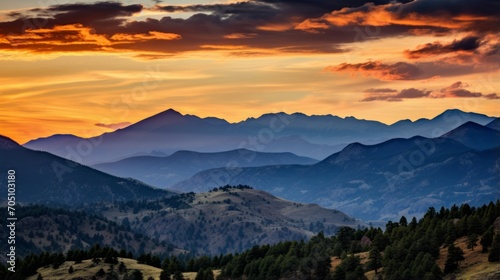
495, 124
373, 182
475, 136
43, 177
181, 165
311, 136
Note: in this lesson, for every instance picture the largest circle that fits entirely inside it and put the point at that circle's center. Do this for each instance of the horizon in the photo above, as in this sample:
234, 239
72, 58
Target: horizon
66, 71
110, 130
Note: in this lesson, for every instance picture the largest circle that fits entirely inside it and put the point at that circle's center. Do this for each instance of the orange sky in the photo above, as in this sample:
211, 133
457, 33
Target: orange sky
67, 68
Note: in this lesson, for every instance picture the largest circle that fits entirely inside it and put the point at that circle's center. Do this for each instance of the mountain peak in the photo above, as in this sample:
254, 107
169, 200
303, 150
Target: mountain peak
475, 136
467, 127
8, 144
170, 111
495, 124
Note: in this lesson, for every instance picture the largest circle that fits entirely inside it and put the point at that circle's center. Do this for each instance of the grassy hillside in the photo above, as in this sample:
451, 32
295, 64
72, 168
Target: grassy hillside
475, 265
227, 220
43, 229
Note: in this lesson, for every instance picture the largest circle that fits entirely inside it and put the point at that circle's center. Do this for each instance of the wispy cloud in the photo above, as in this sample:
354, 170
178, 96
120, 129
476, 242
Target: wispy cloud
394, 95
456, 90
113, 126
379, 70
468, 44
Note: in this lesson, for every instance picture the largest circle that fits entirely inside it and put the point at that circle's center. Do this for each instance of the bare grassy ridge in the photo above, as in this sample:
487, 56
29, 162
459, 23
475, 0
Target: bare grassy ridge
86, 270
233, 220
475, 266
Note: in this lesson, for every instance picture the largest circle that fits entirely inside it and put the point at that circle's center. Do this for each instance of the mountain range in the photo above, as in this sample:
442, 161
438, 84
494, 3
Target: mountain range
45, 178
402, 176
311, 136
166, 171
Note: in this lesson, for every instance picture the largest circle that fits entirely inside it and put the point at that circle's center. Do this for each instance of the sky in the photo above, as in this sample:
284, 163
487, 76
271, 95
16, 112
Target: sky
89, 67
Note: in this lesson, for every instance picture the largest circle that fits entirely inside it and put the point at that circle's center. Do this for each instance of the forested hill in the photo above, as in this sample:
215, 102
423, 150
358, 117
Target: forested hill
407, 249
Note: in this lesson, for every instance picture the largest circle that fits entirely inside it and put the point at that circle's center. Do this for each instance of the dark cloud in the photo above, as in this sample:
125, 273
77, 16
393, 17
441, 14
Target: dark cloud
257, 27
456, 90
99, 16
379, 90
393, 95
459, 15
466, 44
379, 70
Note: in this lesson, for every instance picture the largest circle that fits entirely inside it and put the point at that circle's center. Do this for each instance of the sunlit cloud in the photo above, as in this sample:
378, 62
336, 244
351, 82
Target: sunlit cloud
71, 66
114, 126
379, 70
456, 90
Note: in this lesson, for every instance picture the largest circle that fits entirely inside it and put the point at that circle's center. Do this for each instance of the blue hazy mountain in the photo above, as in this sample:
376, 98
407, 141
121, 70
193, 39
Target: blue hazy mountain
181, 165
495, 124
311, 136
373, 182
475, 136
45, 178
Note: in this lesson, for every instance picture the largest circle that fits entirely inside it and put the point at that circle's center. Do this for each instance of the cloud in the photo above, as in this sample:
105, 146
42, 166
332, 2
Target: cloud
76, 37
394, 95
379, 70
151, 35
263, 26
462, 15
113, 126
456, 90
468, 44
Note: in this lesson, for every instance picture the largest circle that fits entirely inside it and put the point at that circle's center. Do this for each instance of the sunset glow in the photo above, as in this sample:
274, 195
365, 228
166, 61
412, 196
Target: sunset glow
93, 67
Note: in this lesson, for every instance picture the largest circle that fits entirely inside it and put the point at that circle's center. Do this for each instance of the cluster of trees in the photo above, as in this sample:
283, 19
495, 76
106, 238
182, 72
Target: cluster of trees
63, 228
228, 188
405, 250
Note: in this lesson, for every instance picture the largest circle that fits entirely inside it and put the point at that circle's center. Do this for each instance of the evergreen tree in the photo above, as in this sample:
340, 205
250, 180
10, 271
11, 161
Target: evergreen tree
200, 275
164, 275
39, 277
472, 241
494, 255
455, 255
100, 272
137, 275
122, 268
374, 259
350, 268
70, 270
487, 240
178, 275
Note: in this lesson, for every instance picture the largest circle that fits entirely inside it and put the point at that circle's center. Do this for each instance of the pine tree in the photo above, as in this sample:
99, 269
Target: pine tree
70, 270
137, 275
164, 275
374, 259
178, 275
455, 255
122, 268
487, 240
200, 275
472, 241
494, 255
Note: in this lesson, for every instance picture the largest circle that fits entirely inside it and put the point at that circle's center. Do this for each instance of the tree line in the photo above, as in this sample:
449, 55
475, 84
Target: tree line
405, 250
